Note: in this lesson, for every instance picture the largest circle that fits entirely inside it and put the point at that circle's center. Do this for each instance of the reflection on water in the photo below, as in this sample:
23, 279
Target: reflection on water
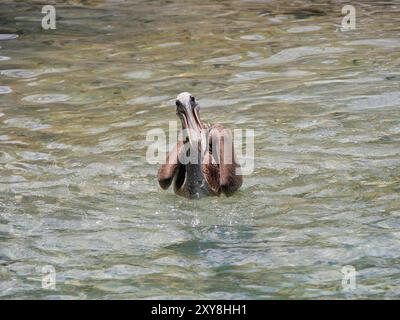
75, 189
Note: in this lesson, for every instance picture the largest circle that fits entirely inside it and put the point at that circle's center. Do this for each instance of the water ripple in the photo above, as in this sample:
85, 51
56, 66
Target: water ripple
303, 29
47, 98
139, 75
8, 36
23, 73
293, 54
4, 89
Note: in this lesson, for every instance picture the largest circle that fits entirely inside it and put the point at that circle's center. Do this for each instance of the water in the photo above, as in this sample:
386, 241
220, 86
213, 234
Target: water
77, 193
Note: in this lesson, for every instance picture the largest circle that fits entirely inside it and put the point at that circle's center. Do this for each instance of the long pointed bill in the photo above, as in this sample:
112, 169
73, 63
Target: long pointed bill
192, 127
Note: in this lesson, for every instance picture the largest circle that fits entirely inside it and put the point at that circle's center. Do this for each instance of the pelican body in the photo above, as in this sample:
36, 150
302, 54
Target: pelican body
203, 162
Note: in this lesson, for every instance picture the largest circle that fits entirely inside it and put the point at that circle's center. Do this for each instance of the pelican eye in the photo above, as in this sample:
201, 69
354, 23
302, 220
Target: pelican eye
192, 99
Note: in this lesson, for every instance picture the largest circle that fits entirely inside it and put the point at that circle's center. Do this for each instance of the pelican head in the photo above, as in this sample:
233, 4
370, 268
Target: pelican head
187, 109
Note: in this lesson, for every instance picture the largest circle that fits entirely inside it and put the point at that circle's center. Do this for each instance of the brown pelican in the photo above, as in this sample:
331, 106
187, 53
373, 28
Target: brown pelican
202, 163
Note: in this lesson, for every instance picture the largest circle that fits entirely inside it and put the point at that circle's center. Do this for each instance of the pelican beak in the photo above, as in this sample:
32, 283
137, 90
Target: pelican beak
193, 129
191, 123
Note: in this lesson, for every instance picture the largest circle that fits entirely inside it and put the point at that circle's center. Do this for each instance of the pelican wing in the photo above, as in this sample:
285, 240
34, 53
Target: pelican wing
168, 170
222, 151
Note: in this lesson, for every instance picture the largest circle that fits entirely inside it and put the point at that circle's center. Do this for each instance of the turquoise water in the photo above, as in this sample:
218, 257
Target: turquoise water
77, 193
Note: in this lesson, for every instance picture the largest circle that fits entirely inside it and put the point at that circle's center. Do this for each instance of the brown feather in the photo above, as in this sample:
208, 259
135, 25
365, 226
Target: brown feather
168, 170
230, 178
211, 173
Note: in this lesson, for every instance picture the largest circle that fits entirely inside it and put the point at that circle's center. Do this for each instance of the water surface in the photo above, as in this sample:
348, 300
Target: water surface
77, 193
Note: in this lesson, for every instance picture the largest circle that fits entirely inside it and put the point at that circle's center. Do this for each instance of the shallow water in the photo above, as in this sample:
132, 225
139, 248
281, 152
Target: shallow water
77, 193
